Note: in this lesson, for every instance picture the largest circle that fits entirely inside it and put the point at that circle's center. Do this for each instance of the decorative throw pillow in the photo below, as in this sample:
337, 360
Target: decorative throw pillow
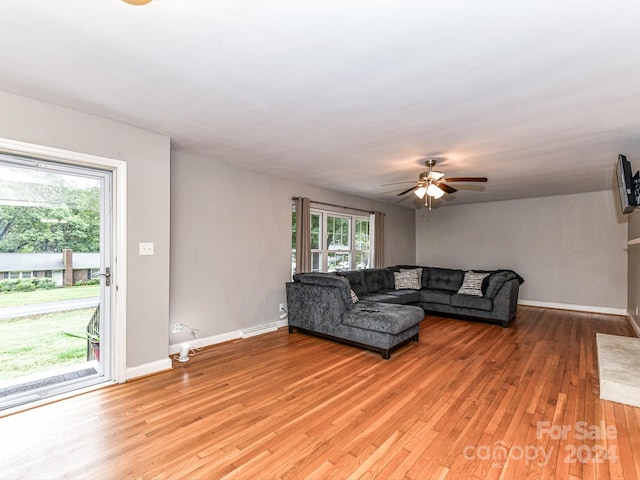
472, 283
407, 279
418, 272
354, 297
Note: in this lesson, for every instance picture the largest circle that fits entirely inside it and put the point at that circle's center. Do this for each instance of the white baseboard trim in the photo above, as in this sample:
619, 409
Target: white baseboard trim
206, 341
149, 368
233, 335
578, 308
259, 330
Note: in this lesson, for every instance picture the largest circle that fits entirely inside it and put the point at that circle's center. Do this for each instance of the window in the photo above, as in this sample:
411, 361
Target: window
19, 275
338, 241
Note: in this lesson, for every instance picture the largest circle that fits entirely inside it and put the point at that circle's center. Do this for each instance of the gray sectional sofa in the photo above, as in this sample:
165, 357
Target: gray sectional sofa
439, 291
390, 302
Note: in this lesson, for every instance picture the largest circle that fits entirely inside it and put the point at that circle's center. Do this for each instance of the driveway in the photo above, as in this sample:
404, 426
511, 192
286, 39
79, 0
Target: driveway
40, 308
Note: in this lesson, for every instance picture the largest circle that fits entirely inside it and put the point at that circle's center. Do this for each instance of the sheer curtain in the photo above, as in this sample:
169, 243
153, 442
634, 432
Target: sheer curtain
303, 234
378, 239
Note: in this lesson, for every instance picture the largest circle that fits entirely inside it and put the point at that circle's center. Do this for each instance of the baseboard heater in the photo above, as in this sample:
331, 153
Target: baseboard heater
259, 330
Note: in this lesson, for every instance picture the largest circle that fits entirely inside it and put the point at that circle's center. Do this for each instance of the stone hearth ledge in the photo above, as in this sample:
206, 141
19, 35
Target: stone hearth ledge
619, 365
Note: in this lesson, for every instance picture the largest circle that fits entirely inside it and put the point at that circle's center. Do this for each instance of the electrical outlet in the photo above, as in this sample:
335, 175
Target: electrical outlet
175, 327
145, 248
281, 307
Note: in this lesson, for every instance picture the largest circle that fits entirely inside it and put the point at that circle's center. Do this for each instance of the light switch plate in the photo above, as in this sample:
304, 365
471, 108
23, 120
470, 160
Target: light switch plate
146, 248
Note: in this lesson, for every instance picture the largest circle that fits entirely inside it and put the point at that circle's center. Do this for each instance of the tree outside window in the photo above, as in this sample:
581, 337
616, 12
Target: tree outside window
338, 242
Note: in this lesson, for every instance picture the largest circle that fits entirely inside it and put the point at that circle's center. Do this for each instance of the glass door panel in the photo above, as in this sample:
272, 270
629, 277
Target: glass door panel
55, 258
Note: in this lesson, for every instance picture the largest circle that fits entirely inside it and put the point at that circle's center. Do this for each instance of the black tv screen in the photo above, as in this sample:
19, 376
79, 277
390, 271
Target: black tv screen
627, 185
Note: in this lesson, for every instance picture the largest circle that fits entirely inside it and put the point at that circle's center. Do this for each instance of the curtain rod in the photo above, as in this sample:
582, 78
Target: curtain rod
337, 206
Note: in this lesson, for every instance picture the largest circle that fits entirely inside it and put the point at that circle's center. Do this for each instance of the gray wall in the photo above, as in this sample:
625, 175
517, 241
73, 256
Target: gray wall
231, 242
148, 167
570, 249
634, 267
230, 250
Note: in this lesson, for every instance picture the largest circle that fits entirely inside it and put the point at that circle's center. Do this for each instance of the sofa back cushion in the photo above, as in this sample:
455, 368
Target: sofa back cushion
356, 279
377, 279
444, 279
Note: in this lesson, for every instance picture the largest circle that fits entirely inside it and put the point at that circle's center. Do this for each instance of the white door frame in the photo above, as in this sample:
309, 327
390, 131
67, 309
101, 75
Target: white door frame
119, 234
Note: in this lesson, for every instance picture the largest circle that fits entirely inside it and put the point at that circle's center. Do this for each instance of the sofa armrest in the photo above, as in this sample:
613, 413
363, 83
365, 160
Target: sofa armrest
327, 280
505, 302
497, 279
316, 307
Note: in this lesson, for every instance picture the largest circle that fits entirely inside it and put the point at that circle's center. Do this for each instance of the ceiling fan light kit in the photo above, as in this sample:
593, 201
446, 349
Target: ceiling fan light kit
434, 191
433, 184
137, 2
420, 192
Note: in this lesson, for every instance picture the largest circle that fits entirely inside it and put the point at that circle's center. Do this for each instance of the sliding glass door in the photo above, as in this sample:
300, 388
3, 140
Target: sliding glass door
55, 278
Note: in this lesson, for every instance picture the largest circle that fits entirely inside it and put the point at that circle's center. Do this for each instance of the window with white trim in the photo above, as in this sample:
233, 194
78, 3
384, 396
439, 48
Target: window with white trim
339, 241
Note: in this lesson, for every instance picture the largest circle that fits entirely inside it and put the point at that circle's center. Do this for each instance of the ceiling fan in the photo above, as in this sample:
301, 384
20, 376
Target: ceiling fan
433, 184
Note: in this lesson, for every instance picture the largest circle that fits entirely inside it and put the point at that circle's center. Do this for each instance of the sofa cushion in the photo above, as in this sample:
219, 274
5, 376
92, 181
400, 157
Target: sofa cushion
407, 279
435, 296
383, 298
379, 317
404, 296
376, 279
444, 279
390, 279
471, 301
356, 279
472, 283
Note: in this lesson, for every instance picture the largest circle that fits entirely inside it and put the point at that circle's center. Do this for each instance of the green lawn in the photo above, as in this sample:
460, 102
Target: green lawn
37, 343
14, 299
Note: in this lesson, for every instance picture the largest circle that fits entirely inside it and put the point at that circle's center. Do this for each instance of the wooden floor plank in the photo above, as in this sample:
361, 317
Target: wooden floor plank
466, 401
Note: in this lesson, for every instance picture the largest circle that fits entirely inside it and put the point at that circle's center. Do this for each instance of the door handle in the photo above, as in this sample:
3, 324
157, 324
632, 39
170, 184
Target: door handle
107, 276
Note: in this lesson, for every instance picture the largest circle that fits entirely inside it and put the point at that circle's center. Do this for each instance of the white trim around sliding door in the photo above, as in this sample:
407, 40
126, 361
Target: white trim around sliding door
119, 246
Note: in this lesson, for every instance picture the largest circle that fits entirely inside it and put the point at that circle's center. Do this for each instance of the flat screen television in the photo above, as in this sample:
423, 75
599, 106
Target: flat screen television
627, 185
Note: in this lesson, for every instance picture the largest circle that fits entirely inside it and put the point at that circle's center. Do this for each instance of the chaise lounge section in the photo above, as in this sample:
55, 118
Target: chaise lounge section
321, 304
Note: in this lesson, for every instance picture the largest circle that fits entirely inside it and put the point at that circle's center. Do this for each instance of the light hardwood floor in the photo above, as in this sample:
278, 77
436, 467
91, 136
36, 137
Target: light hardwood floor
469, 401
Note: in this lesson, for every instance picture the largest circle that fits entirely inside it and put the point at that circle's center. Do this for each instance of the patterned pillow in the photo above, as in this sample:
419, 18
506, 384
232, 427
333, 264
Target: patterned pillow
407, 279
472, 283
418, 272
354, 297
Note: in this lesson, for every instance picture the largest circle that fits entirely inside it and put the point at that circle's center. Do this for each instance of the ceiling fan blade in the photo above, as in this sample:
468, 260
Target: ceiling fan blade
467, 179
397, 183
435, 176
446, 188
407, 191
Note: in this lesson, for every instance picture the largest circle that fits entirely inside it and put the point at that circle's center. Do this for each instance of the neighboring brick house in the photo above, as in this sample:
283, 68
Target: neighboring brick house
64, 268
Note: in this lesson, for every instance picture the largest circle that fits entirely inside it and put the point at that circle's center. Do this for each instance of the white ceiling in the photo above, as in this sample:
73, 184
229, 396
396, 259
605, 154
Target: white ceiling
538, 96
